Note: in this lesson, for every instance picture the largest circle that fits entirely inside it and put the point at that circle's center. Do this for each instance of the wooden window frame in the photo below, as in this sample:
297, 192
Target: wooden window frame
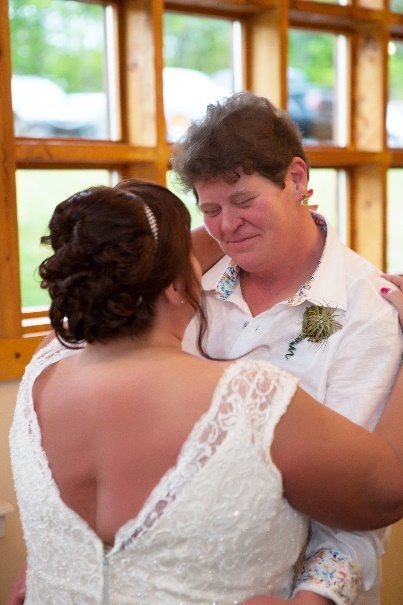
144, 153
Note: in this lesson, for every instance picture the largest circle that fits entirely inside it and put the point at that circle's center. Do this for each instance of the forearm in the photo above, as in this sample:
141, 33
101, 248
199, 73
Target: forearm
17, 596
361, 381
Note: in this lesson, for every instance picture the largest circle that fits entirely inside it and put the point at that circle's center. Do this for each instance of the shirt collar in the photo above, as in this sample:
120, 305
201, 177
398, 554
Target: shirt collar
326, 286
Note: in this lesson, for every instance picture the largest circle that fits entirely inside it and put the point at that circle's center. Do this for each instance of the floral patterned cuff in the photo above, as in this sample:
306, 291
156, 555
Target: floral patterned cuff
331, 575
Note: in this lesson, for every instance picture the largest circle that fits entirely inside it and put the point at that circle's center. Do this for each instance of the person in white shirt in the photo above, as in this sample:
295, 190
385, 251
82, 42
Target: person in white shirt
288, 291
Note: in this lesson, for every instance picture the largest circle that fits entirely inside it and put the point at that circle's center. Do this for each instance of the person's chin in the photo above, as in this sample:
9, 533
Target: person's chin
243, 246
246, 259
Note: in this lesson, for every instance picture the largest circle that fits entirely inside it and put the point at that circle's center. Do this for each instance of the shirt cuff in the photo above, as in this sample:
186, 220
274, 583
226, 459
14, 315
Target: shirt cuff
331, 575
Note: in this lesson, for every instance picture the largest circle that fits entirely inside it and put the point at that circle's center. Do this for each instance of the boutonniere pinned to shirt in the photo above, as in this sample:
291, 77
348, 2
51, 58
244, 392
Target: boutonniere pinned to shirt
318, 324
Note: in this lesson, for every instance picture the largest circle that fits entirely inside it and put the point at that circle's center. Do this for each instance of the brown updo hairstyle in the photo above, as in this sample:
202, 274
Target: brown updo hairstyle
108, 269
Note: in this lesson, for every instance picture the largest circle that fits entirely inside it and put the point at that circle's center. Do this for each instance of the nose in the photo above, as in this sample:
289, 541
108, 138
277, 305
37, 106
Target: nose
230, 219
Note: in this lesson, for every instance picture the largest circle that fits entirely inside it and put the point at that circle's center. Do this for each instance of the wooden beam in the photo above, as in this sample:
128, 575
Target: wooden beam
15, 353
10, 303
35, 152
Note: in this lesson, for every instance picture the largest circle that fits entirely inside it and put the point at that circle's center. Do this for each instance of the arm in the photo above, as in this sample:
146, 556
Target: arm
361, 376
357, 481
206, 249
332, 569
385, 426
309, 484
17, 596
395, 296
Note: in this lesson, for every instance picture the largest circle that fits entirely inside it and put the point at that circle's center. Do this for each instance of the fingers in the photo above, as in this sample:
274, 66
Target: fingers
395, 295
395, 279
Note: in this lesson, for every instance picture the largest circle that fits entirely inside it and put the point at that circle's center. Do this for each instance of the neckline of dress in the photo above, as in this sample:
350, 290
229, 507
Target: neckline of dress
131, 526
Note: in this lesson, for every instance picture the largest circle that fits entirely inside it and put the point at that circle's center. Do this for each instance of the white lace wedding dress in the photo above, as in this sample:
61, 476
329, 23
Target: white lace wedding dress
215, 530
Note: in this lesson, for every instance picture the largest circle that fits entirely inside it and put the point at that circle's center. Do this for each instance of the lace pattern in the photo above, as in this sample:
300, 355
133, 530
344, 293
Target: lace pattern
215, 529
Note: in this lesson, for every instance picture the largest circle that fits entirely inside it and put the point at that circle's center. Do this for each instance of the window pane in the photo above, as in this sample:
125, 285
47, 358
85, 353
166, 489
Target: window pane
394, 120
396, 6
312, 81
372, 4
59, 58
38, 192
395, 221
324, 182
201, 66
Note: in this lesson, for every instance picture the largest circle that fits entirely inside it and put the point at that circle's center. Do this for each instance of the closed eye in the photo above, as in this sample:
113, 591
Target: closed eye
244, 203
210, 210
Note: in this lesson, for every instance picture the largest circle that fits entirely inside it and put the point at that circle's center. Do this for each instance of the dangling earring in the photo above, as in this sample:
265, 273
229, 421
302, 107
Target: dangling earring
305, 197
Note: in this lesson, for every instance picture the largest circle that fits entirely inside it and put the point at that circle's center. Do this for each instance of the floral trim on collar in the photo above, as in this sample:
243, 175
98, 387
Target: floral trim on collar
319, 221
227, 284
228, 281
302, 294
332, 575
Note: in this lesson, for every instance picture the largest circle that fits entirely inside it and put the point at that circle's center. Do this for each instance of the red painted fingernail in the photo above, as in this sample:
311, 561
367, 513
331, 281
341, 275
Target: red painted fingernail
385, 290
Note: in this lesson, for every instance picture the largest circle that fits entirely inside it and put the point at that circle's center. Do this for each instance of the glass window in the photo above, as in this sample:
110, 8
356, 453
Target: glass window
313, 85
60, 54
395, 221
202, 65
394, 120
396, 6
328, 193
38, 192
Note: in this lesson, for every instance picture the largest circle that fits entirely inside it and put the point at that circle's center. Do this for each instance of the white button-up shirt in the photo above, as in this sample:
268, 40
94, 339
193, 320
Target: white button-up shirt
351, 372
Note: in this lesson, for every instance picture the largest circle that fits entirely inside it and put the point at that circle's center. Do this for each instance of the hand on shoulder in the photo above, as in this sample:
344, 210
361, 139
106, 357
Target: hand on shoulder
395, 295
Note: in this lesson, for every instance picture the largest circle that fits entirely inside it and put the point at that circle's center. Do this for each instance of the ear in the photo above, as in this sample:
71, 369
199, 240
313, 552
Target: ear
298, 172
174, 294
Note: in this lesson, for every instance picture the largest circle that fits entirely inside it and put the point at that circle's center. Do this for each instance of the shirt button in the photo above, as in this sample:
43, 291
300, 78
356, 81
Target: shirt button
246, 323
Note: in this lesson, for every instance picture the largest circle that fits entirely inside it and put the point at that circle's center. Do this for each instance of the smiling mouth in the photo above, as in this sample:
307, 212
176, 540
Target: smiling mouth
241, 240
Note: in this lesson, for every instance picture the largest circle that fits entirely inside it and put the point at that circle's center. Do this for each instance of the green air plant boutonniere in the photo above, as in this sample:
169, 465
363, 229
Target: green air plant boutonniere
318, 324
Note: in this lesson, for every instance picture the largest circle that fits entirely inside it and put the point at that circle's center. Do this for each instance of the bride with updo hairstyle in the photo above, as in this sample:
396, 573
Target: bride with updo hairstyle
114, 252
148, 475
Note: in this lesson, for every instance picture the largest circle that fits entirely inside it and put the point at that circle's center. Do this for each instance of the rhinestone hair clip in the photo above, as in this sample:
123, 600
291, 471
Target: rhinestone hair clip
152, 221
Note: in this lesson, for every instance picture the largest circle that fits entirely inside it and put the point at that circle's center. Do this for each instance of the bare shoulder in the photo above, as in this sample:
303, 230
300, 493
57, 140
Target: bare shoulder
199, 373
207, 369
